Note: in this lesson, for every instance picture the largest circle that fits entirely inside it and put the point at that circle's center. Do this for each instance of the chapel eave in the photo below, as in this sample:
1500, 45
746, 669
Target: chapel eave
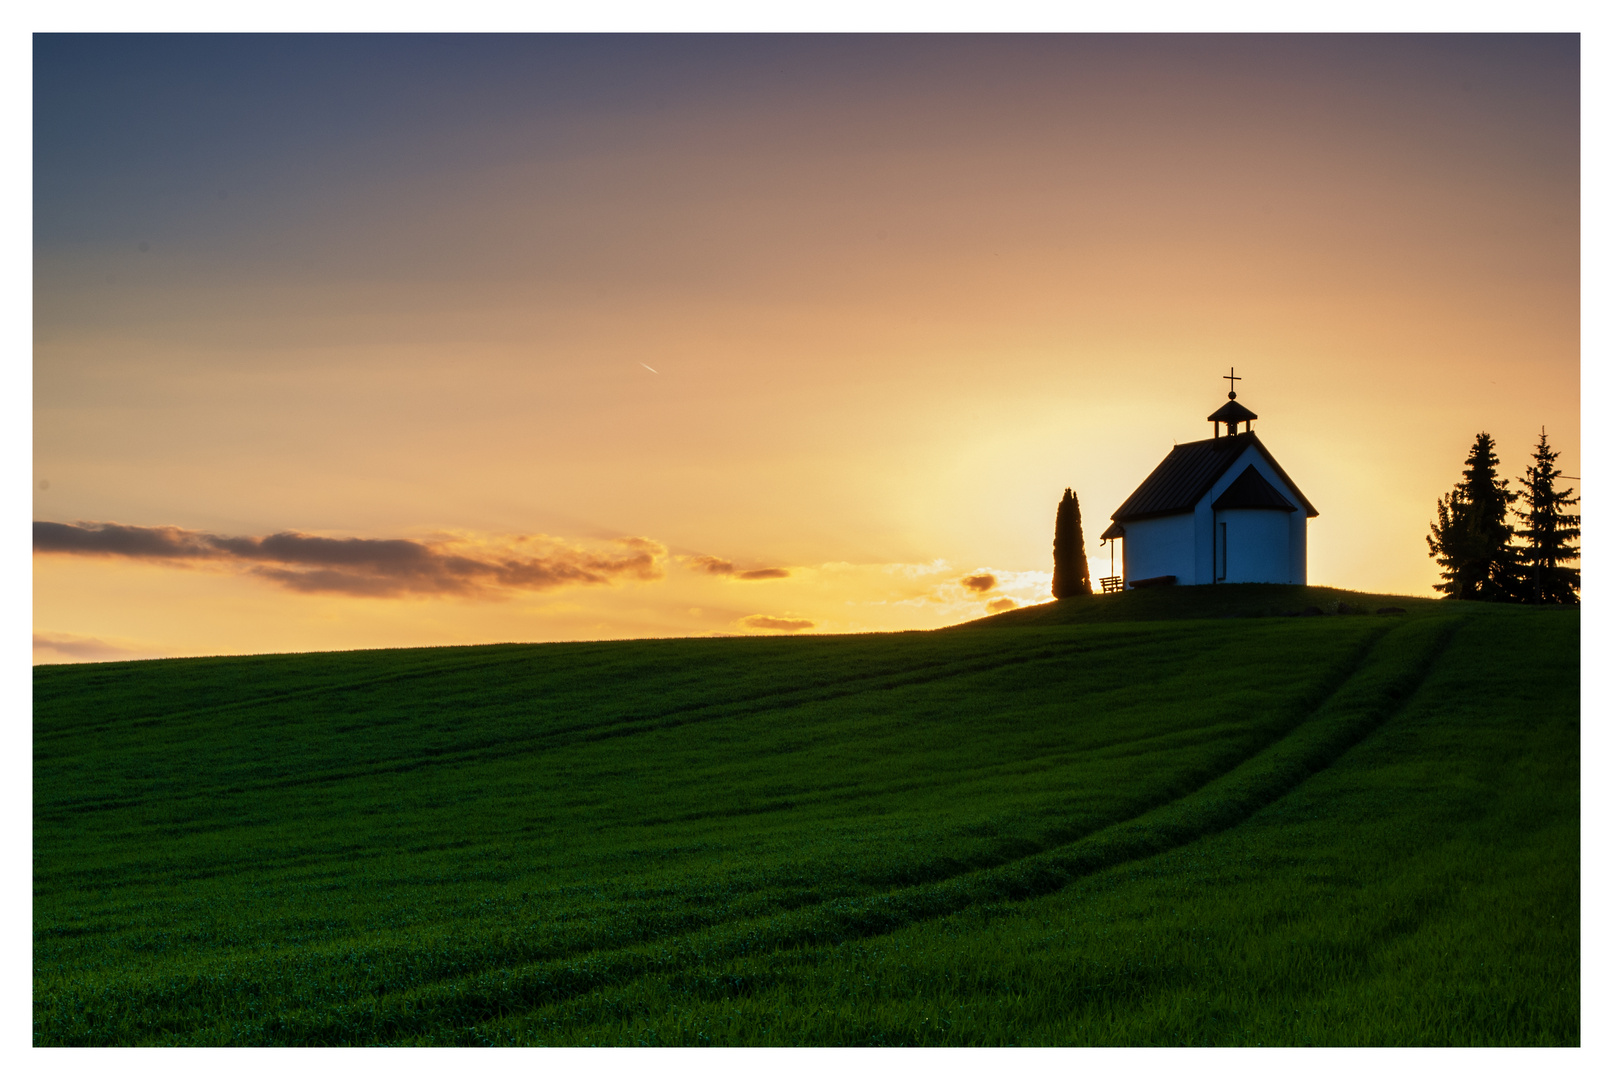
1231, 413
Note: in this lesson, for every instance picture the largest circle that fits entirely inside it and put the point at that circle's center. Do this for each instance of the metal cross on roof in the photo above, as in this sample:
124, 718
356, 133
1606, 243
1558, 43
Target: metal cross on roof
1232, 382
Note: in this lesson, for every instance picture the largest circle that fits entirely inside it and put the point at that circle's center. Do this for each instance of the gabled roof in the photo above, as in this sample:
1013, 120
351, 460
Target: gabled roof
1251, 491
1178, 483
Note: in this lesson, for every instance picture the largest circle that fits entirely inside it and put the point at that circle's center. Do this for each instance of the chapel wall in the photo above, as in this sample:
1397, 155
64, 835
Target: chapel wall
1159, 546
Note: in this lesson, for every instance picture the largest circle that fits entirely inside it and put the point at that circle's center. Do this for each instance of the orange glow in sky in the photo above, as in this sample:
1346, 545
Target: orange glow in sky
606, 326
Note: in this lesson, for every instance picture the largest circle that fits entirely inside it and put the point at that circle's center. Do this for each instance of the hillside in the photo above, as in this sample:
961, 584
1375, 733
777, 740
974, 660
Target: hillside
1219, 602
1164, 817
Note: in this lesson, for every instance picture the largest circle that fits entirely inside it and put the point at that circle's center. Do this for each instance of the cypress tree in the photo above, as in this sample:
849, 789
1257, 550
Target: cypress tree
1470, 538
1070, 575
1548, 533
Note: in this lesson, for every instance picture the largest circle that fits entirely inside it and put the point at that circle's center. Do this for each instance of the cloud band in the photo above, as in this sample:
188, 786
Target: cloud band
355, 566
717, 567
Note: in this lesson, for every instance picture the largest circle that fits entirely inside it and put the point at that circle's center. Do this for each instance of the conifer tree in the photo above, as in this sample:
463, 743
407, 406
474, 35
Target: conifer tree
1470, 538
1070, 574
1548, 532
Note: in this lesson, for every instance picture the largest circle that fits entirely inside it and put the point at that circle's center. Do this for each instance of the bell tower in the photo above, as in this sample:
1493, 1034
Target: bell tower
1231, 414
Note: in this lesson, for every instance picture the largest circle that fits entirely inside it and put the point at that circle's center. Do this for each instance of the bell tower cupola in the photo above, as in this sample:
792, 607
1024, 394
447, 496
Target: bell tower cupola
1231, 414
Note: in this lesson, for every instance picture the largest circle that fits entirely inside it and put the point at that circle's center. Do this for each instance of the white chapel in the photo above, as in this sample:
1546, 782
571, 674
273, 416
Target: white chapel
1217, 510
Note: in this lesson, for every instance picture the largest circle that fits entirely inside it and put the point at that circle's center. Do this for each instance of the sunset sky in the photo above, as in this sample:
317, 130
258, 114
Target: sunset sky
346, 342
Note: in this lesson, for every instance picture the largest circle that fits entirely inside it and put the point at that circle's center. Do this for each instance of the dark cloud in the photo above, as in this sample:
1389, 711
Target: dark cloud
1002, 603
107, 538
980, 583
763, 575
768, 622
354, 566
710, 564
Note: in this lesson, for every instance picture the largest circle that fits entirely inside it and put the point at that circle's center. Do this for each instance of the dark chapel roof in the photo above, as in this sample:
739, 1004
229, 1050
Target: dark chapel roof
1178, 483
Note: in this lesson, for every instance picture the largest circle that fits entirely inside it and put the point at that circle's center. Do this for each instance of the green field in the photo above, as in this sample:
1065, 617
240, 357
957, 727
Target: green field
1165, 817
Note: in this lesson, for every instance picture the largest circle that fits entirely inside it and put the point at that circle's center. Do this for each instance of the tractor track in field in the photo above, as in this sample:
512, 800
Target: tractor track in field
1388, 669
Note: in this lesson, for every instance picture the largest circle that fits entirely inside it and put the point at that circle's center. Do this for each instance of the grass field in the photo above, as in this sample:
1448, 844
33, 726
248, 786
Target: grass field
1143, 819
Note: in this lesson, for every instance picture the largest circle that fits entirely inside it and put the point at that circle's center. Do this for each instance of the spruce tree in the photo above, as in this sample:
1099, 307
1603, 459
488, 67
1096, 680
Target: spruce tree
1470, 538
1070, 575
1548, 532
